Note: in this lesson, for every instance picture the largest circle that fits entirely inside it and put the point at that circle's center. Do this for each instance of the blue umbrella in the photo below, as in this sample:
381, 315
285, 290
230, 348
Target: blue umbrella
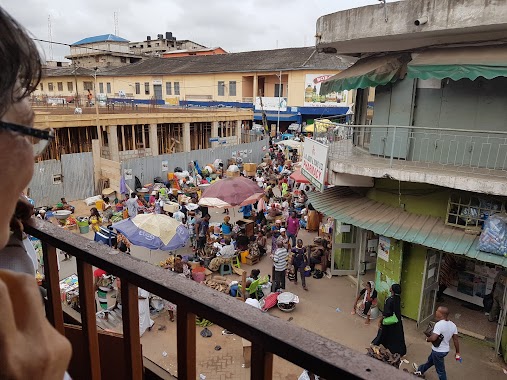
140, 237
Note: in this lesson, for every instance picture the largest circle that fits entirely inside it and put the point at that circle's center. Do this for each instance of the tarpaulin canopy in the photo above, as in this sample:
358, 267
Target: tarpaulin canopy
459, 63
368, 72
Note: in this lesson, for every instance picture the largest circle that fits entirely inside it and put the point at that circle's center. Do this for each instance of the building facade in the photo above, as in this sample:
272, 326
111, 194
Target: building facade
414, 189
162, 44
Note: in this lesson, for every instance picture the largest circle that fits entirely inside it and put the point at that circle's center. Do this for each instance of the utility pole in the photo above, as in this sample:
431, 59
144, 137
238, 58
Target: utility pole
279, 103
99, 132
76, 100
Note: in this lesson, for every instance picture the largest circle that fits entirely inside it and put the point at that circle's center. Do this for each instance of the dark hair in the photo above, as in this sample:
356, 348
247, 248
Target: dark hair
19, 60
396, 289
133, 195
106, 199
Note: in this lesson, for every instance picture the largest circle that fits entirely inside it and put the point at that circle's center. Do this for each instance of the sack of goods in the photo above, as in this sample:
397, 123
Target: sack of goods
493, 238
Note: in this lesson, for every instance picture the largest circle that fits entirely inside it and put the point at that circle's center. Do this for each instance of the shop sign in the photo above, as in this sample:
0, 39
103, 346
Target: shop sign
271, 104
315, 163
313, 97
384, 244
165, 166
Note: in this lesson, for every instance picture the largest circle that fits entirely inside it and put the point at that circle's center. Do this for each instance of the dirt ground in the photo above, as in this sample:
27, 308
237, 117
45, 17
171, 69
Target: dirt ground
324, 309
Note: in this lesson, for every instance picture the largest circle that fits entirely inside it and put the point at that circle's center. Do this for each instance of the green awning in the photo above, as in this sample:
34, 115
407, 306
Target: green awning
345, 206
459, 63
368, 72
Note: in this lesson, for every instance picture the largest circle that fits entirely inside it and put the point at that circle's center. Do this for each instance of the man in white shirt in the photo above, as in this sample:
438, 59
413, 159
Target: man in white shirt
280, 264
446, 330
228, 250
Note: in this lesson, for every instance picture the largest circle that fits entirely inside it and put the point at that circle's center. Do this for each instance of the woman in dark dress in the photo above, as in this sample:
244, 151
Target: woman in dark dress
392, 336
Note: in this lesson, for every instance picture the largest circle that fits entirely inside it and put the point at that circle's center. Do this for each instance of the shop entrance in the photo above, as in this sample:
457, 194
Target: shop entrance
463, 285
430, 288
345, 251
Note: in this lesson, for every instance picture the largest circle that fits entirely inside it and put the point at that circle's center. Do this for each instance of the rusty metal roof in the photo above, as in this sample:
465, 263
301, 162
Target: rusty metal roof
347, 207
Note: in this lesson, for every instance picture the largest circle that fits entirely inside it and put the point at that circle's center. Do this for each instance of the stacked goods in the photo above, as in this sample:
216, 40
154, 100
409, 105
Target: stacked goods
493, 238
202, 322
250, 169
167, 262
218, 283
384, 355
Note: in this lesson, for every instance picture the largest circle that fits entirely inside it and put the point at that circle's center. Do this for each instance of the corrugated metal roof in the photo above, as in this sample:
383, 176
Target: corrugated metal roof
101, 38
348, 207
303, 58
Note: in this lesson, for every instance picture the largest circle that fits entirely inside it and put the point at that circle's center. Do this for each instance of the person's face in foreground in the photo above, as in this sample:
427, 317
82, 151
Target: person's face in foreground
16, 162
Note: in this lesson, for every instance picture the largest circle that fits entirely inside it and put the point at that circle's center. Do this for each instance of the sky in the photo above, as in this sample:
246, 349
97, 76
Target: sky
235, 25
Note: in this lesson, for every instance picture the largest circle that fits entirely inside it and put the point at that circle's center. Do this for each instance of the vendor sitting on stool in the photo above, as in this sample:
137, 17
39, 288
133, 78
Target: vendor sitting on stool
369, 295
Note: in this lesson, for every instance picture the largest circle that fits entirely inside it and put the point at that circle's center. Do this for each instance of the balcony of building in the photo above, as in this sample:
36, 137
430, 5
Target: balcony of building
94, 350
468, 160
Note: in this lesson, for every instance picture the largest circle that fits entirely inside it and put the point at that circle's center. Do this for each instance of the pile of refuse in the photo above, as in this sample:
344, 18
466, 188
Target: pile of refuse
384, 355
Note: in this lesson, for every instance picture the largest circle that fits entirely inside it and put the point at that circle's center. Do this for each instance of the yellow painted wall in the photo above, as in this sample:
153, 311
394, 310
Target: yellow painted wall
203, 87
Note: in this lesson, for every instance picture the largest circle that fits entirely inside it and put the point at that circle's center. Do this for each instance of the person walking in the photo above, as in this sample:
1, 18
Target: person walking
292, 227
443, 331
299, 261
132, 205
391, 335
280, 264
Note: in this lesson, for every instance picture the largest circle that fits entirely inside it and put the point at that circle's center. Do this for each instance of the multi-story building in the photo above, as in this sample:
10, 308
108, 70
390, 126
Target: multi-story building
414, 188
102, 51
162, 44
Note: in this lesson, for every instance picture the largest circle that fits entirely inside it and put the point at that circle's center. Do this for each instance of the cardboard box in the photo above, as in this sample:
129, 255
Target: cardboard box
250, 173
250, 167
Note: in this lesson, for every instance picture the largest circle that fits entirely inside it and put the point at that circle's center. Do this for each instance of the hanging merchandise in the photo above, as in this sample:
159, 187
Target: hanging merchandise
493, 238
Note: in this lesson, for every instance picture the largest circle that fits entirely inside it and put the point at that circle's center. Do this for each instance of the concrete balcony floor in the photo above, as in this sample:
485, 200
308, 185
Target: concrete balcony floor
348, 159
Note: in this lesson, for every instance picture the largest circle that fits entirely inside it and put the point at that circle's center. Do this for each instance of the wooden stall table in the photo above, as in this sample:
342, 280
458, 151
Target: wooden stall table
248, 225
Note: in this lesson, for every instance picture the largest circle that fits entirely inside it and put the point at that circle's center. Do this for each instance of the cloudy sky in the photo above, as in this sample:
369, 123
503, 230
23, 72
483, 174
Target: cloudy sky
235, 25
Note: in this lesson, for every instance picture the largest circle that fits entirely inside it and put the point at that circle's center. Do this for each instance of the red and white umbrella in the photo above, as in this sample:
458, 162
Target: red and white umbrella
231, 192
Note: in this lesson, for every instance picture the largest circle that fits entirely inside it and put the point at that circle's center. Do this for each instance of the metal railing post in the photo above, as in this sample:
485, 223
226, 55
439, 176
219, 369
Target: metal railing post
392, 147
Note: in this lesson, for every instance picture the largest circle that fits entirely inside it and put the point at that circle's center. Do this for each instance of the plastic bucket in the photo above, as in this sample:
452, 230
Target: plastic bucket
84, 229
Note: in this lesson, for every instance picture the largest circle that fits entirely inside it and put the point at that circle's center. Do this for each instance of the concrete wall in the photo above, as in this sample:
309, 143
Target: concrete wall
362, 30
112, 170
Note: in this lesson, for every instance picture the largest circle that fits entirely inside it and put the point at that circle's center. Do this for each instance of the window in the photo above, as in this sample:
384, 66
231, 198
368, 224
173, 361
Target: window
168, 88
138, 88
88, 86
101, 88
221, 88
176, 88
50, 86
108, 87
470, 210
58, 64
146, 88
278, 90
70, 86
41, 86
232, 88
123, 59
59, 85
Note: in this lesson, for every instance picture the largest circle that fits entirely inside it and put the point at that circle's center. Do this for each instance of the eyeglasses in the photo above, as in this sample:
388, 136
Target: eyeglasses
39, 138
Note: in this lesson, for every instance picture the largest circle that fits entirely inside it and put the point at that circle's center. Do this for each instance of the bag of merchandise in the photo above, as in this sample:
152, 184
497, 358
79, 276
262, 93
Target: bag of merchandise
493, 238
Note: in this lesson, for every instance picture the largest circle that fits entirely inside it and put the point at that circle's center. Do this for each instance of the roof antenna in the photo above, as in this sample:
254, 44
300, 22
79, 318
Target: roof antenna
116, 26
50, 38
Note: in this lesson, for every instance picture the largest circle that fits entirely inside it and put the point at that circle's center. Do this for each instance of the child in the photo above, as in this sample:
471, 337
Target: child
226, 226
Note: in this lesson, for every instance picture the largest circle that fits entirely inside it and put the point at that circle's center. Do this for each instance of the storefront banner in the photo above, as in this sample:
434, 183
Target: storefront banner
384, 245
315, 163
271, 104
313, 97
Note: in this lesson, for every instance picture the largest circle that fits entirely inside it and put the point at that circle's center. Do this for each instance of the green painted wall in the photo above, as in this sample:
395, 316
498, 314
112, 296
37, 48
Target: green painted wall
388, 272
503, 344
414, 257
343, 257
418, 198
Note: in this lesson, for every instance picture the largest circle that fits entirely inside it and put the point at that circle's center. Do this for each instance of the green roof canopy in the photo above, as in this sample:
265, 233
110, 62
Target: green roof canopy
345, 206
459, 63
368, 72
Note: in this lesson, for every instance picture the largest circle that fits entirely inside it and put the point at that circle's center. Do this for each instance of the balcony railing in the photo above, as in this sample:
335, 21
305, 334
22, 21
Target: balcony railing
457, 150
269, 336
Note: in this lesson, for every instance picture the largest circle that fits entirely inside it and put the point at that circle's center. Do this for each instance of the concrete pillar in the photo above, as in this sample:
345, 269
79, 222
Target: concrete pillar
255, 87
238, 131
123, 137
97, 167
186, 137
154, 140
112, 136
214, 132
